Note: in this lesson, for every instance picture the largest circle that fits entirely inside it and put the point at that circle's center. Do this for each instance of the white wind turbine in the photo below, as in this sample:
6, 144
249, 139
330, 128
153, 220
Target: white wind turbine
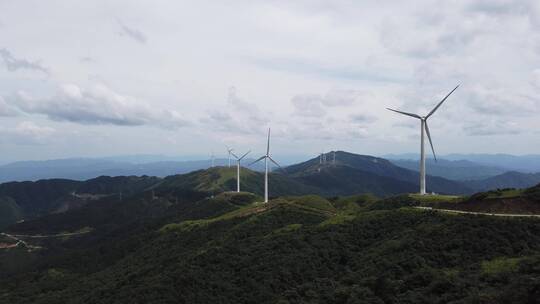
229, 151
266, 157
238, 160
424, 126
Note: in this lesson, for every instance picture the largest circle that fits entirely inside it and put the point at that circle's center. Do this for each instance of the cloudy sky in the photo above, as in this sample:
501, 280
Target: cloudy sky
96, 78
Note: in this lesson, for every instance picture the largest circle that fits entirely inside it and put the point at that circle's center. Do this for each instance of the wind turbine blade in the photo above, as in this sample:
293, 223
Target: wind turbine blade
244, 155
281, 168
405, 113
234, 155
258, 160
268, 143
430, 142
440, 103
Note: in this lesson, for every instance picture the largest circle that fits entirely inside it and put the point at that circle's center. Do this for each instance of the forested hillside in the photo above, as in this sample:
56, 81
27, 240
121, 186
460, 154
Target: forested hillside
293, 250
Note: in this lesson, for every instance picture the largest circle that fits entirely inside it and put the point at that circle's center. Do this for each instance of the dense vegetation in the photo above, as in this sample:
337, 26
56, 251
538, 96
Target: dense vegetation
507, 200
26, 200
230, 249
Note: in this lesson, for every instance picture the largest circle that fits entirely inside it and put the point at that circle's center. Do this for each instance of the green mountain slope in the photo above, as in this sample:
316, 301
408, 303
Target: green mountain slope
44, 197
344, 180
373, 168
507, 201
506, 180
299, 250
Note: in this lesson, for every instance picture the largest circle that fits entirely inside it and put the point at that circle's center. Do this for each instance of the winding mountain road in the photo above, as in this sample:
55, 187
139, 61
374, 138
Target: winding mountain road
17, 238
478, 213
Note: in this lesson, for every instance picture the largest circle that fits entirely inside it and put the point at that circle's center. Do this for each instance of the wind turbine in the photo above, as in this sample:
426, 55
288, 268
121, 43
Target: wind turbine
213, 159
266, 157
424, 126
229, 150
238, 160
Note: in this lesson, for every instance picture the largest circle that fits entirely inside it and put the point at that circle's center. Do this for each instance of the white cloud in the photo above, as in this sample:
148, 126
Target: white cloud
27, 133
133, 33
98, 105
313, 70
362, 118
500, 101
341, 97
535, 79
309, 105
7, 110
491, 127
236, 116
316, 105
14, 64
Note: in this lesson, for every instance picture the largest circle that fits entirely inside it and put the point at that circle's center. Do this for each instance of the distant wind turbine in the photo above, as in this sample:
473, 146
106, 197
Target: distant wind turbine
424, 126
213, 159
266, 157
238, 160
229, 150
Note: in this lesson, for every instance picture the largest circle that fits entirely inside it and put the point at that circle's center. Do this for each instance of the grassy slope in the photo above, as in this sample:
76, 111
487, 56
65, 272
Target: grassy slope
512, 201
309, 249
215, 180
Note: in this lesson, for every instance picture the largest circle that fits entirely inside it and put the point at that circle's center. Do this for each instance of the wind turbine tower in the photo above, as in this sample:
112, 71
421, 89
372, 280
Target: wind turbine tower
238, 160
424, 128
266, 158
229, 151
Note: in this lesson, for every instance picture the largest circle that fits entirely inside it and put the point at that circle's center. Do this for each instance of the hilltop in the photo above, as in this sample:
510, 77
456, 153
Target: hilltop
371, 174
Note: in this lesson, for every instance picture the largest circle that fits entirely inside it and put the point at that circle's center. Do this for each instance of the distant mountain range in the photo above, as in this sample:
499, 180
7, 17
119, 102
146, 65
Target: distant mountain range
510, 179
87, 168
480, 176
507, 162
459, 170
460, 167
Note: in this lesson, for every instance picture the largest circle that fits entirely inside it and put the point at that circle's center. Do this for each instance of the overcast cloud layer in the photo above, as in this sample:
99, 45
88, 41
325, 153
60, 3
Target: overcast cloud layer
93, 78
